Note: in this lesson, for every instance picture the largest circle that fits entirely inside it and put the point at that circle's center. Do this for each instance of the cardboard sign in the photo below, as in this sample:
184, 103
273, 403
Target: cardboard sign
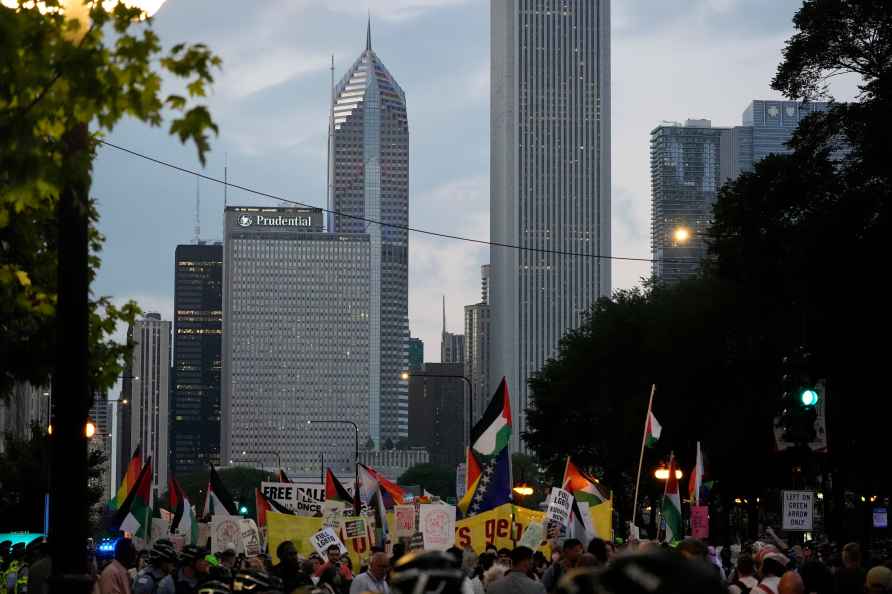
700, 521
332, 513
304, 499
250, 538
558, 511
533, 536
324, 539
799, 510
225, 531
403, 521
437, 524
354, 527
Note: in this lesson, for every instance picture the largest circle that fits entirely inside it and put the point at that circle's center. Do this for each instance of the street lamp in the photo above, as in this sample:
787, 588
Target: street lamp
407, 375
276, 454
662, 473
681, 235
523, 490
355, 451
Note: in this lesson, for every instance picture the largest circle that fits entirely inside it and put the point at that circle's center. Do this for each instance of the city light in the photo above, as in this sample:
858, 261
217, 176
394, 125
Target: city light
89, 429
808, 397
662, 473
681, 234
404, 376
523, 490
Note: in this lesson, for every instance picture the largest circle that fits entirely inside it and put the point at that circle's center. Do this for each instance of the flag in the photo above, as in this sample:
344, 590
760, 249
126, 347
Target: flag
473, 470
218, 501
134, 514
282, 477
653, 431
671, 508
380, 514
492, 432
580, 524
696, 479
128, 480
184, 521
492, 487
582, 486
370, 480
265, 504
334, 490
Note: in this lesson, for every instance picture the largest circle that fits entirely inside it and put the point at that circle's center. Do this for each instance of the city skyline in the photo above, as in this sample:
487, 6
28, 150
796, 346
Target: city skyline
272, 102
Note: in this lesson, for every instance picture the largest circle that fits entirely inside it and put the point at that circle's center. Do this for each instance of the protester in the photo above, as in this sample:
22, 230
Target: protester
505, 556
115, 579
193, 571
289, 569
773, 567
598, 548
742, 580
693, 549
879, 580
850, 578
791, 583
494, 574
517, 579
484, 563
570, 554
334, 561
540, 564
40, 570
330, 581
375, 578
228, 557
157, 577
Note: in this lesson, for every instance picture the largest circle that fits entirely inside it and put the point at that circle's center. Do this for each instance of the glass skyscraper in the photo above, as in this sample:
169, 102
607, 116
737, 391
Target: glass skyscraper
295, 340
370, 180
549, 180
197, 362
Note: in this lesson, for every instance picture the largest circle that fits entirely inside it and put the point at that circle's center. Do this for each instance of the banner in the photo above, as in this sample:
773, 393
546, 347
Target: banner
403, 521
300, 529
325, 538
533, 536
250, 537
226, 531
700, 521
437, 525
304, 499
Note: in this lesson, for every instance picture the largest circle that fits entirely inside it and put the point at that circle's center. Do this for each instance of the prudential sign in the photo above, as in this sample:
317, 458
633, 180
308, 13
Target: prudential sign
277, 221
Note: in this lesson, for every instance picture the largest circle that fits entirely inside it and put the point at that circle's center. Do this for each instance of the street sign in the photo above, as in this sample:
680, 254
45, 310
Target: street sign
799, 510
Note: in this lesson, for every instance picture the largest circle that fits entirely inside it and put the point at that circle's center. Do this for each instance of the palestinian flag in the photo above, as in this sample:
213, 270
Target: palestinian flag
671, 508
135, 513
380, 514
282, 477
218, 501
582, 486
652, 431
128, 480
492, 432
492, 485
370, 480
265, 504
334, 490
580, 523
473, 470
184, 521
696, 479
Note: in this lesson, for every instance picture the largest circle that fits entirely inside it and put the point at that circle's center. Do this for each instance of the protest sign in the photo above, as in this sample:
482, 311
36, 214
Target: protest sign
798, 509
403, 521
416, 543
304, 499
437, 524
354, 527
225, 532
700, 521
533, 536
250, 537
558, 511
332, 513
324, 539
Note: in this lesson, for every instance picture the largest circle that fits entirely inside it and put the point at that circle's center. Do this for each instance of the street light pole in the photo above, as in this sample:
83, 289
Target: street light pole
355, 453
407, 375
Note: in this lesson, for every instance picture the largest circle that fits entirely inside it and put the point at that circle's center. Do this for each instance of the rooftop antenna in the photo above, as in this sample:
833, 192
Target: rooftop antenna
197, 237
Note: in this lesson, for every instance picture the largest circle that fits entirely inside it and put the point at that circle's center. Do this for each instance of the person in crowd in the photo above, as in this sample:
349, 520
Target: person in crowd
517, 580
879, 580
791, 583
540, 564
494, 574
725, 559
344, 575
157, 577
570, 554
375, 578
330, 582
228, 557
850, 578
742, 580
505, 556
40, 569
484, 563
13, 567
598, 548
289, 569
399, 549
816, 577
693, 549
115, 578
588, 561
193, 570
773, 566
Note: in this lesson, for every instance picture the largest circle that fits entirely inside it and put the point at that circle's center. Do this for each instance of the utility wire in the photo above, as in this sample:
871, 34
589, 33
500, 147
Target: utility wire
382, 223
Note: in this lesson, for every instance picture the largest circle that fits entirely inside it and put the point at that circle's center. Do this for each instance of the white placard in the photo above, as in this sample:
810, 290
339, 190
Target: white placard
532, 536
304, 499
250, 536
225, 531
324, 539
560, 503
437, 524
404, 521
799, 510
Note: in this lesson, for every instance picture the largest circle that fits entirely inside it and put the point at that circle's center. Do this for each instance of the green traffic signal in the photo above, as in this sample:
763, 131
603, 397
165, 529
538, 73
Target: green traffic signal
808, 397
243, 510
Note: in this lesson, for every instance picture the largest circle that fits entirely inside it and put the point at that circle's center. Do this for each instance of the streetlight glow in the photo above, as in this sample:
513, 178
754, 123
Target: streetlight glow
404, 376
681, 234
662, 474
523, 490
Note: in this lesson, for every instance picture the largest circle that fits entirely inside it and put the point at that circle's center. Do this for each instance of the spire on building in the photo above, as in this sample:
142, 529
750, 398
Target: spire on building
368, 34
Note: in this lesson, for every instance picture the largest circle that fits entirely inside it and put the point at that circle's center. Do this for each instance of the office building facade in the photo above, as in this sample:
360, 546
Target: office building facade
476, 358
370, 181
452, 346
197, 360
296, 340
436, 413
550, 179
416, 354
149, 405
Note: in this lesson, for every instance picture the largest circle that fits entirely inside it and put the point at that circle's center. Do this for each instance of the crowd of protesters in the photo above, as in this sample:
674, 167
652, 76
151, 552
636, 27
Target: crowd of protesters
762, 567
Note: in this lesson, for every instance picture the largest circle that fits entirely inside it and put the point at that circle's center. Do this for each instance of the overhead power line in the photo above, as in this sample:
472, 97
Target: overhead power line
229, 184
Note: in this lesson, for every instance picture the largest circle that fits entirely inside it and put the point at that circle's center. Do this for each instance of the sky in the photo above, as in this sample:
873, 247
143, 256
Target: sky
670, 61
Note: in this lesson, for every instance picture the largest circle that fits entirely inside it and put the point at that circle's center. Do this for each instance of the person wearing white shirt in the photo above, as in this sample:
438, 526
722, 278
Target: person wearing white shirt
375, 579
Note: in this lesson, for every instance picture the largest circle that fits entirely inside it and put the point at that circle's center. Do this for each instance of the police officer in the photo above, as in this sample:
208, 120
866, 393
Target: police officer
193, 570
11, 574
157, 578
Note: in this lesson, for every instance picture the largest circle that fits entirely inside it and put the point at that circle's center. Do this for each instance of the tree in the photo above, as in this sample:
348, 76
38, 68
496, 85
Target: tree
240, 481
438, 480
525, 470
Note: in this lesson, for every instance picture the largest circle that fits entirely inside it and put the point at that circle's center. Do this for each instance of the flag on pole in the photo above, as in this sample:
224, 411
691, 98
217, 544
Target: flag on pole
265, 504
334, 490
184, 521
218, 501
696, 479
370, 480
671, 508
492, 432
380, 514
128, 480
653, 431
583, 487
134, 514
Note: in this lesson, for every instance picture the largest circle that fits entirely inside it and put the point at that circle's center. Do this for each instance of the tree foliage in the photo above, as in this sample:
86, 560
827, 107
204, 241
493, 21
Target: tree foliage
439, 480
240, 481
58, 73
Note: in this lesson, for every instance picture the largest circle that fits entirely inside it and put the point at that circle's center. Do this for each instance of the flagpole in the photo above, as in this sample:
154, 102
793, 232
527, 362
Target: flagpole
653, 388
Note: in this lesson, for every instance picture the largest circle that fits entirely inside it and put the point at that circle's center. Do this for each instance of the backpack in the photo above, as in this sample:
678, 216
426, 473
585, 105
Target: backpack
742, 586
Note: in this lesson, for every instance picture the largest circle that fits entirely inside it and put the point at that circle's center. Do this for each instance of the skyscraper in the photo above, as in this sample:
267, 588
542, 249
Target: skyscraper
452, 346
768, 126
416, 354
436, 412
550, 179
149, 406
370, 180
476, 359
197, 364
295, 340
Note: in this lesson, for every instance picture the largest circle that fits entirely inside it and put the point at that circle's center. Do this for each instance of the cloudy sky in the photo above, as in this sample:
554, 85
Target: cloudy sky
671, 60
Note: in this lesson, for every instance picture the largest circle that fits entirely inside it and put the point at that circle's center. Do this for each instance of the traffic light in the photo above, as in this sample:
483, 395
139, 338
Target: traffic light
808, 397
243, 510
799, 398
